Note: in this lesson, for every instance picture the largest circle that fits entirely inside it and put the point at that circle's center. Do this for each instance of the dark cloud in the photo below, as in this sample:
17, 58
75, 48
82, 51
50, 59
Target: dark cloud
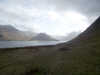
88, 7
35, 12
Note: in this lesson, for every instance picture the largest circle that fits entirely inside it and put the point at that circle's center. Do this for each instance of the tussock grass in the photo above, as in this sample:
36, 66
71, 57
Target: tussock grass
83, 58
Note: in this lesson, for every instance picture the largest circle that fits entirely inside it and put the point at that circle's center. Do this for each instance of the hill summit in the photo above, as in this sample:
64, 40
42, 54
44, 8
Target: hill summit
83, 53
43, 37
91, 33
94, 28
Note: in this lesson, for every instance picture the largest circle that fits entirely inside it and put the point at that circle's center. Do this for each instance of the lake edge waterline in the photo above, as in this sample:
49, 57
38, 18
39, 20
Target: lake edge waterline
23, 44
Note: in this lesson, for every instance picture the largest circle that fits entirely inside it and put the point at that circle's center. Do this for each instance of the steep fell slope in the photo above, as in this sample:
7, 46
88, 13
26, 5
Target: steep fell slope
83, 53
81, 56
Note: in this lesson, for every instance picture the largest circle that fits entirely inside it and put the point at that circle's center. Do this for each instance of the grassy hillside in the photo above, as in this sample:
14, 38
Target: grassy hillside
80, 56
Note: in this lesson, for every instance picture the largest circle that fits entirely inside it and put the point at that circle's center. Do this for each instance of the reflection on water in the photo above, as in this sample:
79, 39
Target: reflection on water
11, 44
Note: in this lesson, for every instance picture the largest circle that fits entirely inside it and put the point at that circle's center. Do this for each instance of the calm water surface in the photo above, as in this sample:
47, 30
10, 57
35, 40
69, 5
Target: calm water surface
12, 44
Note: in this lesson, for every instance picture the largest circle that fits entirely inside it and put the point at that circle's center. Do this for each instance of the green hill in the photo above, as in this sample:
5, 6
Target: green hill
81, 56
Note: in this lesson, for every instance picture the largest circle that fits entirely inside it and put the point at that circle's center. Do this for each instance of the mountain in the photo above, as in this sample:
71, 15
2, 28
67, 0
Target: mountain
7, 28
92, 32
43, 37
67, 37
8, 32
71, 36
80, 56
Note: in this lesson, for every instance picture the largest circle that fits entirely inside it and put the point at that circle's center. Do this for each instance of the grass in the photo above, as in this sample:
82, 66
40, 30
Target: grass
81, 59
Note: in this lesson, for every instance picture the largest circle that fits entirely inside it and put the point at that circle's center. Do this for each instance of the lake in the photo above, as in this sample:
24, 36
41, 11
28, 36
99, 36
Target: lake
12, 44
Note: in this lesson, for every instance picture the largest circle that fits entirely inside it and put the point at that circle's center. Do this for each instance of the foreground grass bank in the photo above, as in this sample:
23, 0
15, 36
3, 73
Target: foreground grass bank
83, 59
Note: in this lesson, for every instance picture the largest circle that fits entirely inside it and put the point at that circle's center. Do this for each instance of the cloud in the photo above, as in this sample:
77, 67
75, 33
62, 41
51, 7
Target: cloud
89, 7
48, 15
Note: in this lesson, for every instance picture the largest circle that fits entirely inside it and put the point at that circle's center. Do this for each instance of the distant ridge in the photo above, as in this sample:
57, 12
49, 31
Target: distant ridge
43, 37
83, 52
10, 33
7, 28
91, 32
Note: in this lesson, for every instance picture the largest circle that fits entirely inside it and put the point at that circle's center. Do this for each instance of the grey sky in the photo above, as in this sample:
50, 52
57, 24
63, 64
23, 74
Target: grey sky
49, 15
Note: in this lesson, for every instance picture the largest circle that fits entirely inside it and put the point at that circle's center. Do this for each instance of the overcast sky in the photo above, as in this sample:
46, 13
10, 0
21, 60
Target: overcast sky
55, 17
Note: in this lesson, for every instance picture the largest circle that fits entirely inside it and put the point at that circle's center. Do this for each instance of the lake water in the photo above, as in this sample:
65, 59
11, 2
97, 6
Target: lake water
12, 44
